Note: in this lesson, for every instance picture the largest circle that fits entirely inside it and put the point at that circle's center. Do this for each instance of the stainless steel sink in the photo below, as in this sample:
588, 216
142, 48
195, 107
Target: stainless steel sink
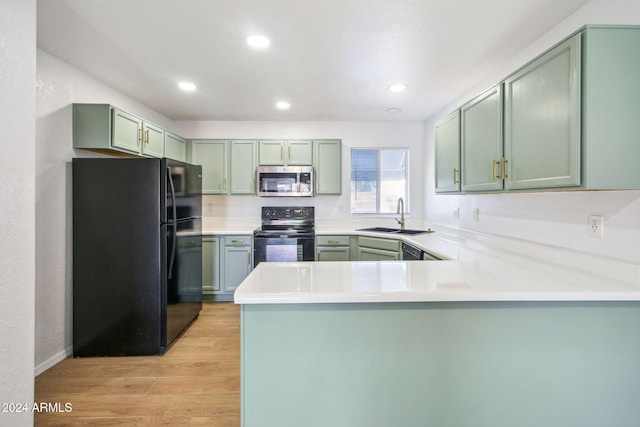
395, 230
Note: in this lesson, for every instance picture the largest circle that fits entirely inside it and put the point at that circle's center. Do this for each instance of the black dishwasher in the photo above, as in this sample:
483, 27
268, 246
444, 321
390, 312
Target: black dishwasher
411, 253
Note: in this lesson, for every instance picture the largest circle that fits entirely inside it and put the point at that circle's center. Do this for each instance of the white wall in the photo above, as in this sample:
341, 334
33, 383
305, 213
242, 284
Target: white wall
17, 205
558, 219
353, 134
58, 86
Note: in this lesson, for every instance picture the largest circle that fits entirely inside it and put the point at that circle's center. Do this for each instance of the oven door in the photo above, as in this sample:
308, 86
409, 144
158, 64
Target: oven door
280, 248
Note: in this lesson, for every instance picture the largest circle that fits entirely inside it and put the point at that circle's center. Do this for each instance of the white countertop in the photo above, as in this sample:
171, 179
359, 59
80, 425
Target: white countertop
419, 281
475, 267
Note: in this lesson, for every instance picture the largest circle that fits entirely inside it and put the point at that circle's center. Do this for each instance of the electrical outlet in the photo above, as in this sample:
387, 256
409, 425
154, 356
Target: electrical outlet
596, 226
456, 213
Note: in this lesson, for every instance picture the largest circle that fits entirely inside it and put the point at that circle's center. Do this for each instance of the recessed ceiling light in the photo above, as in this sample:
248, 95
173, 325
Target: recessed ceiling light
397, 87
187, 86
393, 110
258, 42
283, 105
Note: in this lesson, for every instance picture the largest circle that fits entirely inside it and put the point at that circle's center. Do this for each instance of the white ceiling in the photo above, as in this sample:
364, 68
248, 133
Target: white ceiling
331, 59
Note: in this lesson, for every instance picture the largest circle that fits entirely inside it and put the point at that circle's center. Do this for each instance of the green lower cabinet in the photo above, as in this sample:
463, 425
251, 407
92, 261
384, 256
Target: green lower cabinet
333, 248
236, 261
226, 261
210, 265
378, 249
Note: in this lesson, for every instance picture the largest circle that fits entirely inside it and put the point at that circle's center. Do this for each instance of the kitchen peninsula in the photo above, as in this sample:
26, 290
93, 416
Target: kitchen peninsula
486, 337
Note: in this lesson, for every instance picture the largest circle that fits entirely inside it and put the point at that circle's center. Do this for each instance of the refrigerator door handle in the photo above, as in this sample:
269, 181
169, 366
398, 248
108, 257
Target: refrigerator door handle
172, 258
173, 221
173, 195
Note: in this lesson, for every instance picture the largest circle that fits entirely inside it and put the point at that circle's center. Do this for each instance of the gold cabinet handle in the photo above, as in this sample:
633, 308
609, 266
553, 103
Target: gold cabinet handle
503, 173
237, 241
455, 179
141, 137
224, 184
146, 133
333, 241
495, 169
253, 184
289, 152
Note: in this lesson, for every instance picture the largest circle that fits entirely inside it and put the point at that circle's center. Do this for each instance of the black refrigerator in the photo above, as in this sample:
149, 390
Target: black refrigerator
137, 254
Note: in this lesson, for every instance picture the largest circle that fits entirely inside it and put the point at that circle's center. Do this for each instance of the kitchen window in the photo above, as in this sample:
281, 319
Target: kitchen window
379, 176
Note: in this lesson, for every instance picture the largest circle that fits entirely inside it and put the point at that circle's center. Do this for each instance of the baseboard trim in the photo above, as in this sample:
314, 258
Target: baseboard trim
52, 361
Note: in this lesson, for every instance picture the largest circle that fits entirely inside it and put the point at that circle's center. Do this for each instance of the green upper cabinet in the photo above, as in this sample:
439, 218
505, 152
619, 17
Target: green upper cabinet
242, 166
175, 147
152, 140
611, 108
299, 153
127, 131
570, 120
447, 156
481, 142
285, 153
212, 155
542, 120
327, 162
106, 129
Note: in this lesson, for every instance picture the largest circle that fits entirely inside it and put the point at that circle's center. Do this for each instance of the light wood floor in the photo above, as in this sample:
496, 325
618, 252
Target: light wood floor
196, 382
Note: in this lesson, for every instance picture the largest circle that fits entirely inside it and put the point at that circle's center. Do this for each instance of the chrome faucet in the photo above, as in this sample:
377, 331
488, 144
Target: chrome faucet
400, 210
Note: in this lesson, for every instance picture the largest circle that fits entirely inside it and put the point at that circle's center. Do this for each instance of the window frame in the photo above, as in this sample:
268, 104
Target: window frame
405, 198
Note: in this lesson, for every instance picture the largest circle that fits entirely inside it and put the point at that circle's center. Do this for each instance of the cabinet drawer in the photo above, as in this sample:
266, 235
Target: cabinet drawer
378, 243
332, 240
244, 240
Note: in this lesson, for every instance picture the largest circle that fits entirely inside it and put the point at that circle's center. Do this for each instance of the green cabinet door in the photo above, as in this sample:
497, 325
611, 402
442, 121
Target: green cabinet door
299, 153
542, 120
285, 153
481, 142
333, 248
127, 131
152, 140
378, 249
447, 154
236, 261
175, 147
242, 167
271, 153
210, 265
611, 106
327, 162
212, 155
371, 254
